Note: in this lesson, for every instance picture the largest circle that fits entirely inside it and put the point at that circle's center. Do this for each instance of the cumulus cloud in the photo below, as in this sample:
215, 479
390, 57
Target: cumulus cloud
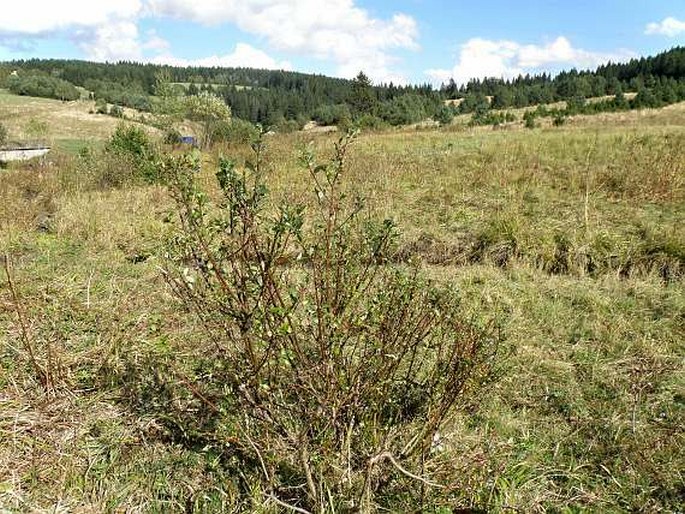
336, 29
40, 17
244, 55
104, 29
111, 42
670, 27
481, 58
118, 40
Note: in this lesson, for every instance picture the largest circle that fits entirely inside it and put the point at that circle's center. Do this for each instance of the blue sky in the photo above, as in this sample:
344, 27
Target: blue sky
403, 41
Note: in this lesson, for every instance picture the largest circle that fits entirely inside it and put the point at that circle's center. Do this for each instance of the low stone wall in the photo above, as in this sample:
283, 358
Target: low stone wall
22, 154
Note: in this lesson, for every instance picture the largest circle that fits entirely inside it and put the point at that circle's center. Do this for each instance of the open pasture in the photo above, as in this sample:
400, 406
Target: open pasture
571, 238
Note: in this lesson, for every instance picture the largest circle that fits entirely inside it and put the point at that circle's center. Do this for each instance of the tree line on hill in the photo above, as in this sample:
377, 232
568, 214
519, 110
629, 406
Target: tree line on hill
289, 99
657, 80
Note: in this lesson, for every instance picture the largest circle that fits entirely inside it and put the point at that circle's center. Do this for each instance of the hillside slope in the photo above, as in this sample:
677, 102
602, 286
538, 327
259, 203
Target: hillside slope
54, 120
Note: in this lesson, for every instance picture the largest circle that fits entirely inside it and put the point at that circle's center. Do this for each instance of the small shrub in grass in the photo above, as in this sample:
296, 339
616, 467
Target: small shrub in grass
129, 157
36, 129
116, 111
99, 170
331, 372
133, 147
498, 242
371, 122
234, 131
559, 120
172, 136
3, 134
488, 117
288, 126
101, 106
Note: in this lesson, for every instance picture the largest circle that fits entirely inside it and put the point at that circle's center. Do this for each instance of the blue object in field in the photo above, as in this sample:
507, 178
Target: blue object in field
189, 140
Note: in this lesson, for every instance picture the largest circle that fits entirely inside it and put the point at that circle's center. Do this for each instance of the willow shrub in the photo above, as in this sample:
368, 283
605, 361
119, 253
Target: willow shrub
331, 371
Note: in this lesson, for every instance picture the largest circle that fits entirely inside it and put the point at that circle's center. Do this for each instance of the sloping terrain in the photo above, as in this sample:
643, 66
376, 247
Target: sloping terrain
56, 121
570, 239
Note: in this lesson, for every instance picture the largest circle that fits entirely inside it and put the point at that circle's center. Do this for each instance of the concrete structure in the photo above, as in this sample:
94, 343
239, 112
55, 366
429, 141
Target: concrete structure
22, 154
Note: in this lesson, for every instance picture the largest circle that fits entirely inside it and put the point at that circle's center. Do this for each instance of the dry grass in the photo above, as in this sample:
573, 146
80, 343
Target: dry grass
589, 408
63, 120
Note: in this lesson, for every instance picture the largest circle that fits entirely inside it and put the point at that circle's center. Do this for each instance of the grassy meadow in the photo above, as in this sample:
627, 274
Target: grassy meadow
571, 239
65, 125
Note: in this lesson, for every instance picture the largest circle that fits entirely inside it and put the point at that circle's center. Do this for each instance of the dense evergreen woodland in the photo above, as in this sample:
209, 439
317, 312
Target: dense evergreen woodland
283, 98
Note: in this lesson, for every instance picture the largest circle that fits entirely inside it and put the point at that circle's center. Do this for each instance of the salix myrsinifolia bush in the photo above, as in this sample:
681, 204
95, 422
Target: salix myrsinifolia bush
331, 370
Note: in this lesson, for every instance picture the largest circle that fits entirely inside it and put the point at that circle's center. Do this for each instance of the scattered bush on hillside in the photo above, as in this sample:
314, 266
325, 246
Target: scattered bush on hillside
445, 115
234, 131
331, 372
529, 120
473, 103
559, 120
646, 98
407, 109
101, 106
129, 156
42, 85
172, 136
489, 117
128, 95
371, 122
4, 134
338, 114
209, 110
116, 111
285, 126
575, 105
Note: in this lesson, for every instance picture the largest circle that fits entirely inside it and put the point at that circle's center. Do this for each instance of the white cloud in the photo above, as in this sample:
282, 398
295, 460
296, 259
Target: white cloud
105, 30
111, 42
338, 31
334, 29
481, 58
670, 27
118, 40
156, 43
39, 17
244, 55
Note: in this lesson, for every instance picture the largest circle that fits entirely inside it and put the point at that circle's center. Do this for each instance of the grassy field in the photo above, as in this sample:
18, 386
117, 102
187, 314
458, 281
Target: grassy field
571, 238
60, 123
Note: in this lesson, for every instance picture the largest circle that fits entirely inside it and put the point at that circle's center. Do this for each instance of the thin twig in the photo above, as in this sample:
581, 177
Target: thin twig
389, 456
286, 505
259, 456
196, 392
